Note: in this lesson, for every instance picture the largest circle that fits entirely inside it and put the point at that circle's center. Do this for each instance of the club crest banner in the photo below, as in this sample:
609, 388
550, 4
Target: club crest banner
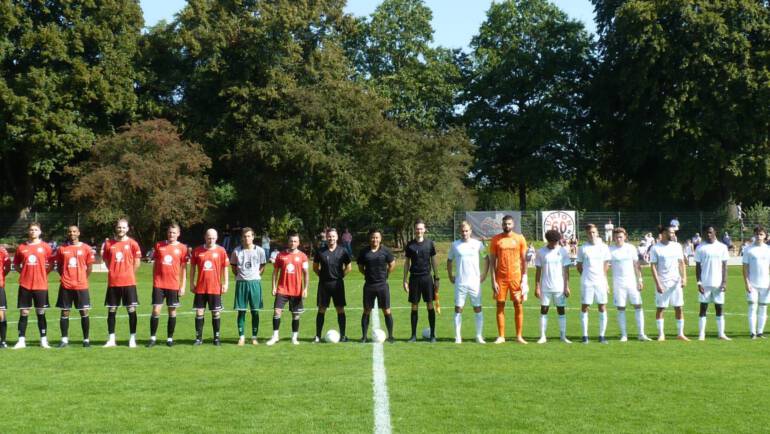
562, 221
487, 224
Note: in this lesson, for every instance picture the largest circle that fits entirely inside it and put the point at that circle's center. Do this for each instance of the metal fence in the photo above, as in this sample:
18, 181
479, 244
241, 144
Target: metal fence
635, 223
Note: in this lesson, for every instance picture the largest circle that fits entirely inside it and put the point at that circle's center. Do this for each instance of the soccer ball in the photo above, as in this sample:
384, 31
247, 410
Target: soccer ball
332, 336
379, 336
426, 333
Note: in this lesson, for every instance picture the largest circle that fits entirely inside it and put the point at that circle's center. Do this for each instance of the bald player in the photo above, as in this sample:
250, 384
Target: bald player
507, 257
210, 263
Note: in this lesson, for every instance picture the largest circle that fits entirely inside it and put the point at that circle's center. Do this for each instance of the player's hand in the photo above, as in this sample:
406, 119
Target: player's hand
483, 278
406, 287
224, 289
275, 291
524, 285
658, 288
181, 291
700, 289
749, 289
304, 293
567, 292
537, 291
452, 279
723, 288
495, 288
640, 284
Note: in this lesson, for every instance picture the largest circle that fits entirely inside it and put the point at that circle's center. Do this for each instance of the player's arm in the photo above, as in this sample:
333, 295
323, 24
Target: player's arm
234, 262
348, 268
49, 262
638, 272
361, 267
192, 276
407, 263
226, 274
485, 269
746, 277
305, 281
683, 272
724, 276
137, 258
184, 279
449, 270
538, 285
655, 277
697, 276
523, 260
391, 266
579, 260
275, 279
493, 267
6, 266
566, 280
434, 266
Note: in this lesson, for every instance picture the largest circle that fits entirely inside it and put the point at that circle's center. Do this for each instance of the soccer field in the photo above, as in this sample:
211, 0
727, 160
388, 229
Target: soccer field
621, 387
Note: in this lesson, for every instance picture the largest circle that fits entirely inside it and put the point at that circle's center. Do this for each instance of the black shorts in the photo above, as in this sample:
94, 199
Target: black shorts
333, 290
170, 295
28, 298
381, 293
121, 296
420, 287
296, 304
78, 297
3, 300
214, 302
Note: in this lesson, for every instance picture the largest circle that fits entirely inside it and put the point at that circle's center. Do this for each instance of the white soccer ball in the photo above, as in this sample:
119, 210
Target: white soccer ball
332, 336
379, 336
426, 333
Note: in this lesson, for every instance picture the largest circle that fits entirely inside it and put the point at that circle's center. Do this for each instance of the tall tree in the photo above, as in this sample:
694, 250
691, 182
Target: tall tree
681, 102
147, 173
524, 94
66, 75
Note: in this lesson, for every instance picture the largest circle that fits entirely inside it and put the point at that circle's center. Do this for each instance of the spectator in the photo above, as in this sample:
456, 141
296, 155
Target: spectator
696, 239
531, 255
347, 241
674, 224
608, 228
266, 244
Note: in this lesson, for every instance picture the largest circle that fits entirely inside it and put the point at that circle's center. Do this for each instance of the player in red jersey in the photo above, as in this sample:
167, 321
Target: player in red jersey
210, 263
74, 260
169, 278
122, 256
5, 268
33, 261
290, 282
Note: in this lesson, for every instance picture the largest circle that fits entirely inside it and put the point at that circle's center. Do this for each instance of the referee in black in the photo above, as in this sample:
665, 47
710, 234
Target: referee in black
331, 264
420, 260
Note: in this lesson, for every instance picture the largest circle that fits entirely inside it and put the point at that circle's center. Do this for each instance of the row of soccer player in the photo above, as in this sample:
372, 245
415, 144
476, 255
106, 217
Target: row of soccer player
34, 260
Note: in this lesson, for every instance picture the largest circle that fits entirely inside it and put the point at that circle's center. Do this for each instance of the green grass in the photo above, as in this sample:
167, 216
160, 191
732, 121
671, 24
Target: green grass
632, 387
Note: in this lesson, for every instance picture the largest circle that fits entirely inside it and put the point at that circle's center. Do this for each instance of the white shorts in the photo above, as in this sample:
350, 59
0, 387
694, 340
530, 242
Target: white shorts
590, 294
712, 294
671, 296
758, 295
557, 298
462, 291
622, 295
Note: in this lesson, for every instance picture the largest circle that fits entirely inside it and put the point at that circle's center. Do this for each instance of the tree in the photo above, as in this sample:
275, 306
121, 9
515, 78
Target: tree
524, 95
66, 76
681, 112
146, 173
392, 53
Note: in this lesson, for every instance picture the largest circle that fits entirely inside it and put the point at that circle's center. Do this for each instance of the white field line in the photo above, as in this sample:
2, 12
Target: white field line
379, 380
74, 315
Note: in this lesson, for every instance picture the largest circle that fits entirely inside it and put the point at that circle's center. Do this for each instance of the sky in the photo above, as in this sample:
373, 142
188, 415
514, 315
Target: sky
454, 21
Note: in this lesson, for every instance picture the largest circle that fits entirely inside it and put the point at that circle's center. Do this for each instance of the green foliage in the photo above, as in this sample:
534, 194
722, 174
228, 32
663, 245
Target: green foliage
146, 173
524, 88
278, 227
66, 76
681, 102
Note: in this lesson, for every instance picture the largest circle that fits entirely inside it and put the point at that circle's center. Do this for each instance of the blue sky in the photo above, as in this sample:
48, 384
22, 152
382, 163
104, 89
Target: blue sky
454, 21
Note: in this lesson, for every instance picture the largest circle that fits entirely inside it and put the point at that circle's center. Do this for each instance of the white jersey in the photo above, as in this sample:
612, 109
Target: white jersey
466, 254
667, 257
623, 263
710, 256
593, 257
757, 257
552, 263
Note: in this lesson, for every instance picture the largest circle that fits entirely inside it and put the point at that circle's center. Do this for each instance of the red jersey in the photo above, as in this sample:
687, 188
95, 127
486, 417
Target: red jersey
5, 263
73, 262
290, 265
120, 257
212, 264
32, 260
168, 262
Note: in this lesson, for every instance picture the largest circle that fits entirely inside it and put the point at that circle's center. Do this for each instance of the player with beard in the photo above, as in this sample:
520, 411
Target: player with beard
508, 259
169, 278
74, 261
33, 260
123, 258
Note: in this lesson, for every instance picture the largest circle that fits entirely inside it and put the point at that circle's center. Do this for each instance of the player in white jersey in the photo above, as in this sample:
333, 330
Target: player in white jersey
552, 283
467, 278
711, 271
593, 261
669, 274
756, 276
626, 282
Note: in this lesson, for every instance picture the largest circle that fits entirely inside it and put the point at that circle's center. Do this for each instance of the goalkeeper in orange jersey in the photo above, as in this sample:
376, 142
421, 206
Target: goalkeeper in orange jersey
507, 256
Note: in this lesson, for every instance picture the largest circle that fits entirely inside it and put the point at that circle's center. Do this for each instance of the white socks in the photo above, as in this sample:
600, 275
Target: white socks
479, 324
458, 324
752, 318
761, 318
721, 326
701, 327
584, 322
622, 322
543, 324
563, 326
602, 323
661, 331
680, 327
639, 313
